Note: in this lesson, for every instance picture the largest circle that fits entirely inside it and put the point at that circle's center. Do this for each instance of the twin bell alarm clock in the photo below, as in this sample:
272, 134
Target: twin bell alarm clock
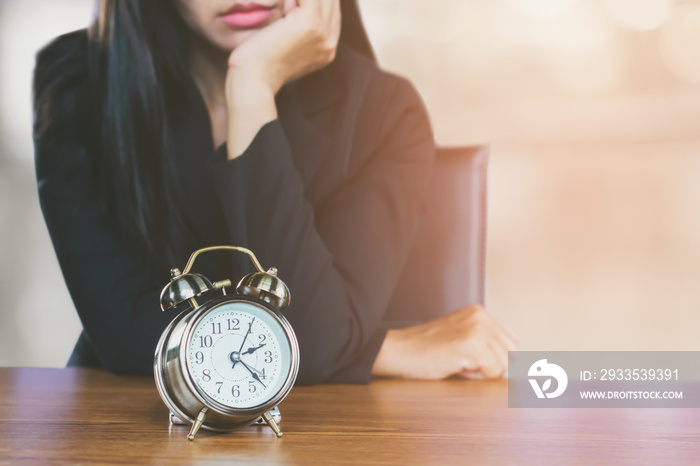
230, 357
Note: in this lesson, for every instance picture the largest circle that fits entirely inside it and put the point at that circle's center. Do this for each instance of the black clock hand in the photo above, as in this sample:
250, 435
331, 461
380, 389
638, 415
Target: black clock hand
253, 349
246, 334
255, 376
242, 343
250, 368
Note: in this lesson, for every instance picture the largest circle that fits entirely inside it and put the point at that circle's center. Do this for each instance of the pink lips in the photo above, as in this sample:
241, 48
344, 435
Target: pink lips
247, 15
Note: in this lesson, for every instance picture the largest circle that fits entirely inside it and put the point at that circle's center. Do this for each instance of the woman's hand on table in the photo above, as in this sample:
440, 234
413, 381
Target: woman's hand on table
467, 342
304, 41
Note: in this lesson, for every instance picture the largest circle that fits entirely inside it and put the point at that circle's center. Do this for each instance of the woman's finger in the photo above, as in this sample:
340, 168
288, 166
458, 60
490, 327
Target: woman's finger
335, 18
510, 338
331, 8
501, 356
288, 6
504, 335
494, 355
505, 338
511, 335
472, 375
316, 5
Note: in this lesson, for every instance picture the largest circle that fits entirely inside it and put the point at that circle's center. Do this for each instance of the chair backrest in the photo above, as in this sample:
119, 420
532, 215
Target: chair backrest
446, 268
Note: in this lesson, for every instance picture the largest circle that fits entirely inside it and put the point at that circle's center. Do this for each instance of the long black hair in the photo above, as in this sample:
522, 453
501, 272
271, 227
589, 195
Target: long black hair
136, 54
137, 63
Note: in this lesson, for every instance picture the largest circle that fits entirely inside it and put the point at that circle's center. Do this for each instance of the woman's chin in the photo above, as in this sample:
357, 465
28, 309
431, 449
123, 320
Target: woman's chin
230, 40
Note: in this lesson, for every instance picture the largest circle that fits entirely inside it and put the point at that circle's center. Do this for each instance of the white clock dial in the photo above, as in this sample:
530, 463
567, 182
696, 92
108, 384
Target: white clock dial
239, 355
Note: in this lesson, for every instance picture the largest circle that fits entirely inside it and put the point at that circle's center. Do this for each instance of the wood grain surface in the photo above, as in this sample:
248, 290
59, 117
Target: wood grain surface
89, 416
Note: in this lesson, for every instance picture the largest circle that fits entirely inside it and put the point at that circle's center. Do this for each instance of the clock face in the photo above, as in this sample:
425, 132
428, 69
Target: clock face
238, 354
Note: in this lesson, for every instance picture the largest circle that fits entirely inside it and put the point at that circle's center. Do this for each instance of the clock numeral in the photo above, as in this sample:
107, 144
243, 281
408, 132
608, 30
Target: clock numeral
262, 375
235, 391
199, 356
216, 328
262, 338
220, 384
268, 356
233, 324
206, 375
251, 386
205, 341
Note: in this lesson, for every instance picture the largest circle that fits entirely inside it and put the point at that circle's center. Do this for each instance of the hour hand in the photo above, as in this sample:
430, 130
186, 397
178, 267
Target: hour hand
252, 349
234, 357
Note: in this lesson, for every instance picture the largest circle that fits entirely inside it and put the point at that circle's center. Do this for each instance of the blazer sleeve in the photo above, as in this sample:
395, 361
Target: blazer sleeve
341, 260
115, 293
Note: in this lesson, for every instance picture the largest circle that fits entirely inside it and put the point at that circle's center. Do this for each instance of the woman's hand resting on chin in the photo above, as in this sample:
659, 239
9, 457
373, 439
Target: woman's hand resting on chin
467, 342
303, 41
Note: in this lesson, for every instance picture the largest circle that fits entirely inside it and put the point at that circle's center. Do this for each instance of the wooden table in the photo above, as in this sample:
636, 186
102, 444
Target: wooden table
90, 416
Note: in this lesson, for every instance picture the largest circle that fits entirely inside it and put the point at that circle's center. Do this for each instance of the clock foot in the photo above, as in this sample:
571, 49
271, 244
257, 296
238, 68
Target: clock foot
198, 423
276, 415
271, 422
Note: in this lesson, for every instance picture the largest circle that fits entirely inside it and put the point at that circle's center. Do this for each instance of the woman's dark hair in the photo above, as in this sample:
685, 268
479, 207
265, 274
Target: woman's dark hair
136, 65
352, 31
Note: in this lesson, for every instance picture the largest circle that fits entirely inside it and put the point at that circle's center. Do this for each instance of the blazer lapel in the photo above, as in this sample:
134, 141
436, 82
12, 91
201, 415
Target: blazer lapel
305, 109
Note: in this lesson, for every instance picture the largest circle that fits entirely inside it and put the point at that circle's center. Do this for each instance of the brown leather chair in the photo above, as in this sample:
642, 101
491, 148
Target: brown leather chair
446, 268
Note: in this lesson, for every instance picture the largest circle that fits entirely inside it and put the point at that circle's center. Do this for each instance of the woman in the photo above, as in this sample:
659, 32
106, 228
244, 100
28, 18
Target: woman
172, 125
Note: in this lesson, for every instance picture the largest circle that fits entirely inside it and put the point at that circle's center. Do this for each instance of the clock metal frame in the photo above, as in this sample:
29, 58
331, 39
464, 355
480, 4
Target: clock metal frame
179, 390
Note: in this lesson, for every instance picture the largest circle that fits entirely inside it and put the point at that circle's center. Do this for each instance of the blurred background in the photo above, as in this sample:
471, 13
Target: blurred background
592, 110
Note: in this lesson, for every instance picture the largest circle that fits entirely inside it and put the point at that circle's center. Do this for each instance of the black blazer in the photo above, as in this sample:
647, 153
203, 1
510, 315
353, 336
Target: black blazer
330, 194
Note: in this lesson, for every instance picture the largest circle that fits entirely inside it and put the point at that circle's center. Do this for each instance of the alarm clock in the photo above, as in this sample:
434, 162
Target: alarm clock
229, 358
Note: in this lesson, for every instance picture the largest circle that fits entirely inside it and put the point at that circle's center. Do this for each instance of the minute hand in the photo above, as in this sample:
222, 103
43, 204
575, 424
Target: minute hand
255, 376
244, 339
